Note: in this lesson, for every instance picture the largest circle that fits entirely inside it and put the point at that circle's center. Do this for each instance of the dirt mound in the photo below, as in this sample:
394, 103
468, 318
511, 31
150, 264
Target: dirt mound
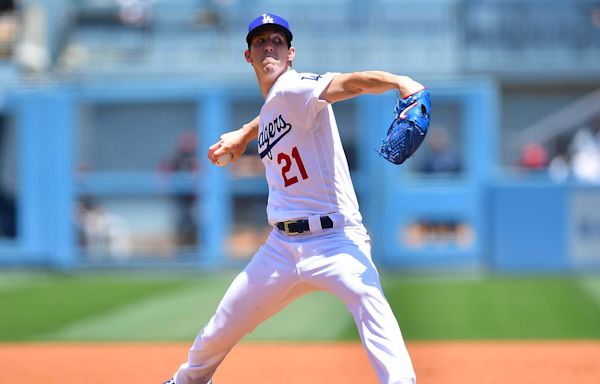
287, 363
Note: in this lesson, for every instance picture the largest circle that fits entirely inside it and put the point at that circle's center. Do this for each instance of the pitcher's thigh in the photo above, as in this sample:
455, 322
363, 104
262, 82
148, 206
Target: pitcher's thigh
346, 271
251, 296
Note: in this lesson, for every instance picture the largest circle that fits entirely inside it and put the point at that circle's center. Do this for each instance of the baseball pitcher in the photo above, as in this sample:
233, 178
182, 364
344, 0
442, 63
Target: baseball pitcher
318, 241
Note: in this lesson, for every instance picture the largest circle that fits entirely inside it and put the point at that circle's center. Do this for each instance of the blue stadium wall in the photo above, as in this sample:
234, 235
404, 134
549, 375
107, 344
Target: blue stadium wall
490, 220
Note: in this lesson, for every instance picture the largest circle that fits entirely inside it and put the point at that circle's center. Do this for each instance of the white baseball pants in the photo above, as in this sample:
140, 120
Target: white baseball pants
337, 260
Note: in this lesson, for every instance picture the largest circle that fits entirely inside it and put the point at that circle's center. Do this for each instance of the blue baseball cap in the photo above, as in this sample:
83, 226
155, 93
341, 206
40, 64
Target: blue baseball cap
268, 20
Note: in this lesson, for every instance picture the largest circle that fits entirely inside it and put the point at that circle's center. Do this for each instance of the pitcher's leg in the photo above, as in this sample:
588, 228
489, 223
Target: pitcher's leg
265, 283
348, 272
382, 337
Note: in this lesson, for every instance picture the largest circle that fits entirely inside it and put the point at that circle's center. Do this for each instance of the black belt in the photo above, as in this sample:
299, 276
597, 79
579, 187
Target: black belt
295, 227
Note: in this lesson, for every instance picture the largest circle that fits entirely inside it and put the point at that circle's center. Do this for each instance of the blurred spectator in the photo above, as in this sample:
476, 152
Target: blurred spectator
585, 156
533, 157
8, 204
184, 160
135, 13
101, 232
558, 168
211, 13
9, 28
595, 16
32, 52
7, 6
440, 158
8, 225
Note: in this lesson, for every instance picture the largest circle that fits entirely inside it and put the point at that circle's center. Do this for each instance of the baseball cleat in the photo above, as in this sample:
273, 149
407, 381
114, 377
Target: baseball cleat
170, 381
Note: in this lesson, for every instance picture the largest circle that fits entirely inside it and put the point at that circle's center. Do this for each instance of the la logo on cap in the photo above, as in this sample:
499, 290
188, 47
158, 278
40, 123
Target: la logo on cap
267, 19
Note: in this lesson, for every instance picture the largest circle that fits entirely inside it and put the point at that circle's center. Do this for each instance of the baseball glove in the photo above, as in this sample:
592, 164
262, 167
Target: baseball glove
408, 130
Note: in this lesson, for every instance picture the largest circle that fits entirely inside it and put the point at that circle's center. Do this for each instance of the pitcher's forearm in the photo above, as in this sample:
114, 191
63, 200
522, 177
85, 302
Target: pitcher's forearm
348, 85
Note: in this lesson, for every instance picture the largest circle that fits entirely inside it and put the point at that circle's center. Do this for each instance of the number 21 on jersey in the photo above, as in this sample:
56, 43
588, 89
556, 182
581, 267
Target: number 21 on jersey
290, 176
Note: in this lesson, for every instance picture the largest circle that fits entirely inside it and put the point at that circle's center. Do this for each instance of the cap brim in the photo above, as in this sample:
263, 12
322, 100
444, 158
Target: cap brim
260, 28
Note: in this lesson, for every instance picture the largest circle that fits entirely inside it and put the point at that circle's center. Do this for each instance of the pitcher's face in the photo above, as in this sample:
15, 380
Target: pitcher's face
269, 54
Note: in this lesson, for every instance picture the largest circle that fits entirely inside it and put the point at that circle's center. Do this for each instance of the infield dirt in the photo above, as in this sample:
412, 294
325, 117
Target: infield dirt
474, 362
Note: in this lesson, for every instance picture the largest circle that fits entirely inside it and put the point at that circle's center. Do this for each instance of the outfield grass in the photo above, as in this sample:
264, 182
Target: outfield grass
497, 308
134, 306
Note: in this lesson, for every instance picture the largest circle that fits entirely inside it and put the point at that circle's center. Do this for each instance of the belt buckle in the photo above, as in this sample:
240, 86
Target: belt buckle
286, 228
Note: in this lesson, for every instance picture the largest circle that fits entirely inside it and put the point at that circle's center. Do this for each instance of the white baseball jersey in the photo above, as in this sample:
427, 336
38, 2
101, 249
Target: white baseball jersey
299, 144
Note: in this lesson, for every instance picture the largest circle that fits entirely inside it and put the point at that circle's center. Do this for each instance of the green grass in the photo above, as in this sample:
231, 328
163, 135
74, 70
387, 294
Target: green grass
38, 304
496, 308
102, 306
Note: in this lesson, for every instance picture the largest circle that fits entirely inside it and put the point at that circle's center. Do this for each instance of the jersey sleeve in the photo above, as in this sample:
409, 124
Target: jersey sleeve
302, 99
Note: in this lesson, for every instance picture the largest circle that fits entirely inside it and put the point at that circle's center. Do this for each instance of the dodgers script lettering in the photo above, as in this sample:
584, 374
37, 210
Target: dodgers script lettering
270, 134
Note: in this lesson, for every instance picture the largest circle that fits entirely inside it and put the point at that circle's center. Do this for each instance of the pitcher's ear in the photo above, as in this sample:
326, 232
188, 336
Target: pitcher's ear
247, 56
291, 53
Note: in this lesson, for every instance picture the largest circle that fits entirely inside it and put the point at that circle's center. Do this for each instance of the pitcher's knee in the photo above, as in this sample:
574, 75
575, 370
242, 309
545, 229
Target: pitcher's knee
212, 343
363, 296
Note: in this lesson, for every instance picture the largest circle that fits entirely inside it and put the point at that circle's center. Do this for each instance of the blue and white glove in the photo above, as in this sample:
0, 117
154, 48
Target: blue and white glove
408, 130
